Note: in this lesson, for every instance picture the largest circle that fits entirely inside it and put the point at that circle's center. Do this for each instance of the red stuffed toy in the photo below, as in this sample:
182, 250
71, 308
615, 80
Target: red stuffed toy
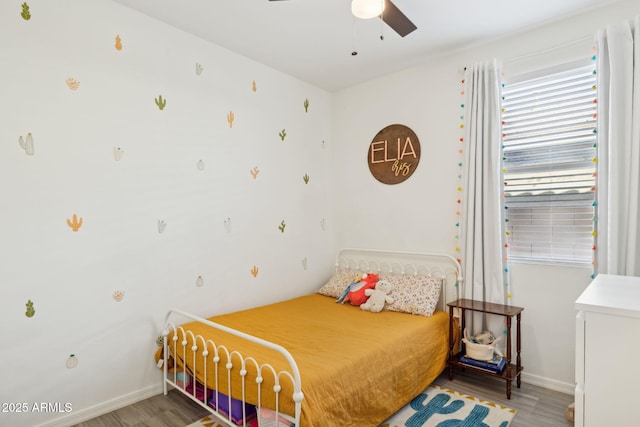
356, 294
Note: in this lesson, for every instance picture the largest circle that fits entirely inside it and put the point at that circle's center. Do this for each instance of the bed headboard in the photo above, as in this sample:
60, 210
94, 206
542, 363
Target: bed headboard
431, 264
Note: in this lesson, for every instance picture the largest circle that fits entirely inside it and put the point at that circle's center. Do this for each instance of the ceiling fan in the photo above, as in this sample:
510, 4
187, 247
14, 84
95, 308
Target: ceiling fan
386, 10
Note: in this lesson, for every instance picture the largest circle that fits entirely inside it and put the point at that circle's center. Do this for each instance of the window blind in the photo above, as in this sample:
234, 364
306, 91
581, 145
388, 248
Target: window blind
549, 157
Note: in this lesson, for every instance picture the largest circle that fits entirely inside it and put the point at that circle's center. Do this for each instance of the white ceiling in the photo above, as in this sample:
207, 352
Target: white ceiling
313, 39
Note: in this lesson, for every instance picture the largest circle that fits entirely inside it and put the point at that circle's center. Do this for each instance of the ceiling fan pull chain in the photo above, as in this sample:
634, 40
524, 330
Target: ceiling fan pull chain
382, 21
354, 52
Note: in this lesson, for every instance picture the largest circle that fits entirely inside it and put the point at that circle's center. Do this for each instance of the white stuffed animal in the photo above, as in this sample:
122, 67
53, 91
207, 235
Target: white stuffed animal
378, 297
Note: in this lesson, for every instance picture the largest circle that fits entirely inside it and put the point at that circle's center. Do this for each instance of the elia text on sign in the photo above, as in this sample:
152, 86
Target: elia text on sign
394, 154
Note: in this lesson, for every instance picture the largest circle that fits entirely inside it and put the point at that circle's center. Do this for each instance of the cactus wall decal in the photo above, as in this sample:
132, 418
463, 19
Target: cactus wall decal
75, 223
30, 310
118, 296
72, 361
27, 144
254, 87
254, 172
118, 44
282, 226
305, 178
72, 83
254, 271
304, 263
323, 224
199, 69
26, 13
200, 165
306, 105
117, 153
227, 225
230, 118
161, 226
200, 281
160, 102
283, 134
160, 340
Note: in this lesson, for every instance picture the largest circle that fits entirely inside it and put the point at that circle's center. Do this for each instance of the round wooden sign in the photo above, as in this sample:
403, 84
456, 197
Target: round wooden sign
394, 154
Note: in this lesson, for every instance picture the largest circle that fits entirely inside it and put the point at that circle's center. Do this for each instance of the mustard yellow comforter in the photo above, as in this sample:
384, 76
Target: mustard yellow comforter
357, 367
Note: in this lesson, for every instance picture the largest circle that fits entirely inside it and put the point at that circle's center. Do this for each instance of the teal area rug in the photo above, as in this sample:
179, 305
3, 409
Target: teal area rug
443, 407
436, 407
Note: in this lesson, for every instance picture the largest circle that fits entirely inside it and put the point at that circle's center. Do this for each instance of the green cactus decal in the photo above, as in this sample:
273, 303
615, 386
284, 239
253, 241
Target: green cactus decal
30, 310
283, 134
160, 340
305, 178
26, 14
160, 102
282, 226
306, 105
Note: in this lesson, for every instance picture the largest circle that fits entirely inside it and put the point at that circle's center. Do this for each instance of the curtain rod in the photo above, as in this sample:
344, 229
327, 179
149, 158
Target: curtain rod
539, 52
548, 50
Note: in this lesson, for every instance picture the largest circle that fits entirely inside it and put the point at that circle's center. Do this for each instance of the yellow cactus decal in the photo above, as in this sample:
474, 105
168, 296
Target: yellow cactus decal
74, 223
254, 87
118, 44
254, 271
118, 296
230, 118
73, 83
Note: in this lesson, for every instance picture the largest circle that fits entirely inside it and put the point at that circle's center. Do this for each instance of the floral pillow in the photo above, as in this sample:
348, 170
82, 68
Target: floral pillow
414, 294
339, 282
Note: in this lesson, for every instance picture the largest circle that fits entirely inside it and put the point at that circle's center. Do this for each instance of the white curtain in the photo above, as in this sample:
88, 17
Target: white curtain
481, 214
618, 67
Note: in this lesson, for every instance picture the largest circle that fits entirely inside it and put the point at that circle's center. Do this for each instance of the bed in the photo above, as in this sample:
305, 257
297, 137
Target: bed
310, 361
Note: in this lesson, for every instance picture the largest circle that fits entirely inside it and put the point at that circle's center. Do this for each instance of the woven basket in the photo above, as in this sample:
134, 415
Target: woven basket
479, 351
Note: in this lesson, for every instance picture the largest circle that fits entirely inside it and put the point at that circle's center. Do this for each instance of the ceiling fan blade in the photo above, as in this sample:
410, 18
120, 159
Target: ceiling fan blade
397, 20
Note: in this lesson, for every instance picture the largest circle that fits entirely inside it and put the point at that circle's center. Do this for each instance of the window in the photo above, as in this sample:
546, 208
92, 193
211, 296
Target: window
549, 156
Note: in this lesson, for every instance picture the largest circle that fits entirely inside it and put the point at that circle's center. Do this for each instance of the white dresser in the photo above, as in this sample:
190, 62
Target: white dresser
608, 353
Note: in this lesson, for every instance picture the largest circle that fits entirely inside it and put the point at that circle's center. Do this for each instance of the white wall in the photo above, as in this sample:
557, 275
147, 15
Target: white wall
220, 221
420, 213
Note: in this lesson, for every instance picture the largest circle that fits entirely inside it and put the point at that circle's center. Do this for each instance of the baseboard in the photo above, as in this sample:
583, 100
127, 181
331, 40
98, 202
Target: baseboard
104, 408
562, 387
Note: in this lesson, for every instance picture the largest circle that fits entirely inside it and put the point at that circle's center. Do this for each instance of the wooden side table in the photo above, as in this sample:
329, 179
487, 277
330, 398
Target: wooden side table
510, 371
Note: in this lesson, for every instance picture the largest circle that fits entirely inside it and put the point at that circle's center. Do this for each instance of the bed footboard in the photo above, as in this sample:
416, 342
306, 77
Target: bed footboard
228, 366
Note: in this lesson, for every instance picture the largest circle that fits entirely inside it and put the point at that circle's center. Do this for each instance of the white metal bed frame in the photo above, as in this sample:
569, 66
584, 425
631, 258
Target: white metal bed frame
365, 260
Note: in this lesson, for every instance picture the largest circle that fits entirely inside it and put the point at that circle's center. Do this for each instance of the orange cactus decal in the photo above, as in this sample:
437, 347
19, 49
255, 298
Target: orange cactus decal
75, 223
254, 172
72, 83
118, 44
254, 271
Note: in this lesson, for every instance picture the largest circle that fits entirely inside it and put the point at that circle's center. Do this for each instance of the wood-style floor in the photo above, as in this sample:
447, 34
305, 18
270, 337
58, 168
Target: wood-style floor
536, 406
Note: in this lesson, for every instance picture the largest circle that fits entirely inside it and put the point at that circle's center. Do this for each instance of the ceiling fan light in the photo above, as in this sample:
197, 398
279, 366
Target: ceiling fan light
367, 9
